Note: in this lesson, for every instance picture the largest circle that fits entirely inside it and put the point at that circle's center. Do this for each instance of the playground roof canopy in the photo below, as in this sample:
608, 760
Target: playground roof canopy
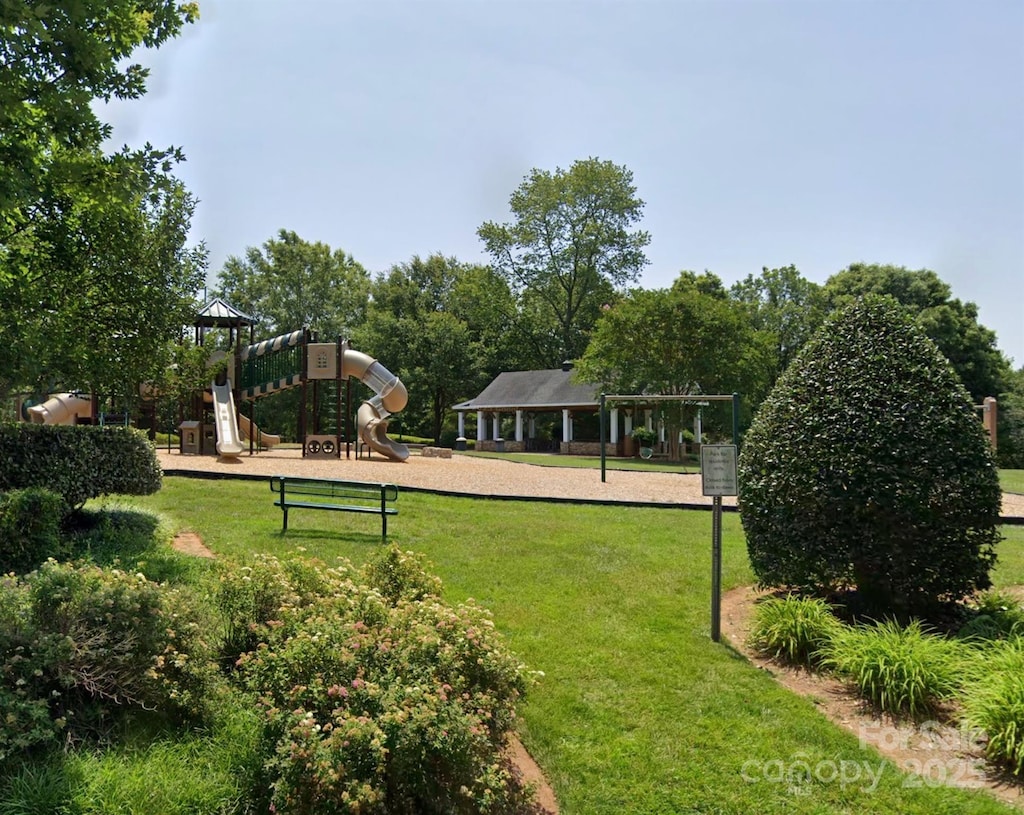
534, 390
217, 313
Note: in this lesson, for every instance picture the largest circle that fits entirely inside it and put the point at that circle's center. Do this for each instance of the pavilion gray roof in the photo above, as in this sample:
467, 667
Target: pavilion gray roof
533, 390
217, 313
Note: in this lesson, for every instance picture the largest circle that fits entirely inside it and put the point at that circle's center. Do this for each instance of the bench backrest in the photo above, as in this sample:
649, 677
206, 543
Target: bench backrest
332, 490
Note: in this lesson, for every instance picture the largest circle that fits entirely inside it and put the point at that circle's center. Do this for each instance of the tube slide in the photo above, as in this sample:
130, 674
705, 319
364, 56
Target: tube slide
391, 396
229, 444
61, 408
249, 430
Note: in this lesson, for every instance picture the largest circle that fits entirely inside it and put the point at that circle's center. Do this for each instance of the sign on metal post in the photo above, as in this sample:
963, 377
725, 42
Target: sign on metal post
717, 478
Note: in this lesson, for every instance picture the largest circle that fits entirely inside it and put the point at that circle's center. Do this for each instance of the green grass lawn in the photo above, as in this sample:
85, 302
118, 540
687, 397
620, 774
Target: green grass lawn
1012, 481
638, 711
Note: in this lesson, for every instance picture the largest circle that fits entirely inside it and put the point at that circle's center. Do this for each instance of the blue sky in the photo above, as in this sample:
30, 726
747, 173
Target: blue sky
759, 132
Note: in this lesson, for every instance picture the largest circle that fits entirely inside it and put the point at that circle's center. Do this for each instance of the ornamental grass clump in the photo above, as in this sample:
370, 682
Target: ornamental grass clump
794, 629
902, 669
993, 701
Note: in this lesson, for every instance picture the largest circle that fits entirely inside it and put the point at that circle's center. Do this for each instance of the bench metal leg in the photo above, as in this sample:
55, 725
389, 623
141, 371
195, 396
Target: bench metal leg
284, 527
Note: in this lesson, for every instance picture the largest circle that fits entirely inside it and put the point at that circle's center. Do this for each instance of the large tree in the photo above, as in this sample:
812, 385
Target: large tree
786, 308
56, 60
104, 296
95, 275
951, 324
687, 339
571, 244
438, 323
290, 283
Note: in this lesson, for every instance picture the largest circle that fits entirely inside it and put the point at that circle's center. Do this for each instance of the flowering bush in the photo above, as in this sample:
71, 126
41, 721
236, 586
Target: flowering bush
374, 702
81, 644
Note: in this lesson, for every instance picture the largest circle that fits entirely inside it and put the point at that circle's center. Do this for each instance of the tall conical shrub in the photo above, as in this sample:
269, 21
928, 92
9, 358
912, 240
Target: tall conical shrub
867, 467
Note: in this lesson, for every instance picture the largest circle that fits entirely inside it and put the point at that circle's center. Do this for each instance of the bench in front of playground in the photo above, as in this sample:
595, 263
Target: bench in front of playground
295, 492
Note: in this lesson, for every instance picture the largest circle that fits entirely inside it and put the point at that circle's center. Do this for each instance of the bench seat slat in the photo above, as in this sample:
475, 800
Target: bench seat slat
341, 507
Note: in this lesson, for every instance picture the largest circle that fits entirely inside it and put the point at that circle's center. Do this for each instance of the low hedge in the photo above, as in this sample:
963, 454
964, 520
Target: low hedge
77, 462
30, 523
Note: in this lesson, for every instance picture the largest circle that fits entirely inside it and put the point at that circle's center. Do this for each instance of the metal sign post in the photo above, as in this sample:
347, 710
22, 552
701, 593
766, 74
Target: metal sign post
717, 478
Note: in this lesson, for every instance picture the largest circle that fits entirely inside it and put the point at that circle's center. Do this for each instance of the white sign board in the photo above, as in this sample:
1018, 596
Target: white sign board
718, 469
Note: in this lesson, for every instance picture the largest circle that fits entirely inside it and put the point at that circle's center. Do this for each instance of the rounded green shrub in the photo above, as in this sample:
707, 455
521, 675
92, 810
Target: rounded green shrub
867, 468
78, 462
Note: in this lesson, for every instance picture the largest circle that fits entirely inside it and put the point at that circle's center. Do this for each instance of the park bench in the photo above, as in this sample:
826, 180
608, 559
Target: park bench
295, 492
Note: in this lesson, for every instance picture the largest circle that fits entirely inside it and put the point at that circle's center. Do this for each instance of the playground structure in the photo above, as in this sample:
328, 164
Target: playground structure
293, 360
216, 421
320, 369
62, 408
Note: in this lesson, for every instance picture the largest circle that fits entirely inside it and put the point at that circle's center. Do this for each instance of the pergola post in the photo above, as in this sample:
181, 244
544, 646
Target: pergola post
481, 427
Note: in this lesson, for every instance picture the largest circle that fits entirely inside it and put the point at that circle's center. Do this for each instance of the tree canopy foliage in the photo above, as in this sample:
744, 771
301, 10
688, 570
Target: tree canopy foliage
94, 271
291, 283
688, 339
570, 246
952, 324
56, 59
785, 308
439, 324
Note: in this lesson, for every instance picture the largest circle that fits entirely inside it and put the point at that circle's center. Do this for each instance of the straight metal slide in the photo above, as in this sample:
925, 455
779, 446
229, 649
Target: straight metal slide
229, 443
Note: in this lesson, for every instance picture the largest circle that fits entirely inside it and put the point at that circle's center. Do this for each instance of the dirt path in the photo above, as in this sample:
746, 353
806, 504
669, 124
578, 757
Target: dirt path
480, 476
935, 752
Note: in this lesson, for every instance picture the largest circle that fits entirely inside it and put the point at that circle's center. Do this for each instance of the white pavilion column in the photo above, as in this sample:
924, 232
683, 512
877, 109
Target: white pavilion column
532, 427
519, 425
698, 428
629, 423
481, 426
648, 420
462, 424
495, 425
566, 426
614, 419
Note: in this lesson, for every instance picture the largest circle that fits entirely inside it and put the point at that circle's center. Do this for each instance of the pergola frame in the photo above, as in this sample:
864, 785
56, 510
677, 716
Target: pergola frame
638, 398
